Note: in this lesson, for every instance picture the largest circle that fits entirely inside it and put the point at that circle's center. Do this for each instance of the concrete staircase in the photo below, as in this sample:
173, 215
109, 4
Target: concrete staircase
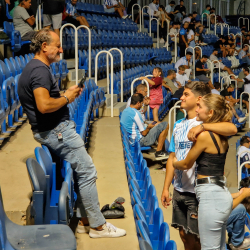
118, 106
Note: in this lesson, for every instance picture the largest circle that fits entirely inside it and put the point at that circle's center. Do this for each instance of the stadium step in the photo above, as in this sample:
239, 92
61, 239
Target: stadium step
72, 74
70, 63
108, 99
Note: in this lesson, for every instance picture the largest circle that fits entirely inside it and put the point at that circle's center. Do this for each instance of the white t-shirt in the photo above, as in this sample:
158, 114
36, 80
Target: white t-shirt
181, 78
186, 19
175, 31
215, 91
141, 110
247, 86
190, 34
246, 156
153, 8
180, 145
109, 3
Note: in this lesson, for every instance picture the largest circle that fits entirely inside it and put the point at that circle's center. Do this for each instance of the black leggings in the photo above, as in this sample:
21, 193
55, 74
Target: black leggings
163, 31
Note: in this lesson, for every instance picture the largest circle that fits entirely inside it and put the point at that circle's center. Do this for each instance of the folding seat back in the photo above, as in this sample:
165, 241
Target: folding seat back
11, 67
4, 71
2, 109
142, 228
144, 245
171, 245
63, 205
8, 88
163, 236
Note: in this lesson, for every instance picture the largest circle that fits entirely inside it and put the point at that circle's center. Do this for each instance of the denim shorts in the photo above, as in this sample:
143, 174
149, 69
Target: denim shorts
153, 135
111, 10
185, 211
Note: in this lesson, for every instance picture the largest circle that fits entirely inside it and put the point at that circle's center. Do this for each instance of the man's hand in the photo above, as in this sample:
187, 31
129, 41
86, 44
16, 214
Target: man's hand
146, 101
194, 132
165, 199
151, 125
72, 93
141, 78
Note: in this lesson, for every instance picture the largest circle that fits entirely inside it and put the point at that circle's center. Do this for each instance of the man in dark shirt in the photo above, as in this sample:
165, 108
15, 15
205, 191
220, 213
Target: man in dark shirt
181, 12
200, 71
48, 115
183, 39
222, 44
136, 10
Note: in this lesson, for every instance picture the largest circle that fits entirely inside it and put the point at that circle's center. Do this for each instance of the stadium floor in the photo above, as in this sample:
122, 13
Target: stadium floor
106, 151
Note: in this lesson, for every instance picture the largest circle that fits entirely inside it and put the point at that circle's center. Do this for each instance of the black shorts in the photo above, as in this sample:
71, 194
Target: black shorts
72, 20
245, 97
185, 205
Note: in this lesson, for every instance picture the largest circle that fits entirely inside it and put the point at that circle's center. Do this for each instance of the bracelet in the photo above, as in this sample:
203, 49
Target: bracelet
203, 127
66, 98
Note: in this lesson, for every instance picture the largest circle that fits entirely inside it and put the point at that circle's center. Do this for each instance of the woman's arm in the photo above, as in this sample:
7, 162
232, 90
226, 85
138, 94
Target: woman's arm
193, 154
148, 80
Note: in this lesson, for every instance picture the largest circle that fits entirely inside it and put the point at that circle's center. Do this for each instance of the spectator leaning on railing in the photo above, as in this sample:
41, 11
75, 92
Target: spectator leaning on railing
48, 115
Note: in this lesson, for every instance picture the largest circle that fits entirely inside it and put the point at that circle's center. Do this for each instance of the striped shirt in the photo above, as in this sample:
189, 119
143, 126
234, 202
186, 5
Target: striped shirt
109, 3
242, 53
183, 180
244, 156
133, 123
70, 9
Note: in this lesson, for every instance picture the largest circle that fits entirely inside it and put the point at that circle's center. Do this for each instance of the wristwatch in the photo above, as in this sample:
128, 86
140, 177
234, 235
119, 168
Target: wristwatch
66, 99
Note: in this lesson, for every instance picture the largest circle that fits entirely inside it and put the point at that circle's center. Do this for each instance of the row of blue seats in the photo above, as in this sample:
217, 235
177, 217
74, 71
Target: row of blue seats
131, 74
152, 231
102, 38
232, 29
111, 23
210, 38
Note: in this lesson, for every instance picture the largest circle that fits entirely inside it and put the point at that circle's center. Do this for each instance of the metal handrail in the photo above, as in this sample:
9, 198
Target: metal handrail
175, 41
157, 30
139, 13
146, 6
89, 31
208, 19
121, 54
240, 170
212, 69
112, 76
76, 46
193, 59
215, 18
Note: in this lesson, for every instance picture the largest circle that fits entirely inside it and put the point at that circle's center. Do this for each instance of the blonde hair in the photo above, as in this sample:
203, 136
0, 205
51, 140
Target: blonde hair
222, 110
182, 67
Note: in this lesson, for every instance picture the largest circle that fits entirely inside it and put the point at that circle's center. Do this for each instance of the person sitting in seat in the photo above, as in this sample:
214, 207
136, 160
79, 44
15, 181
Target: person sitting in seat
169, 81
213, 57
133, 123
221, 44
180, 11
244, 147
154, 8
136, 10
170, 10
112, 6
206, 11
201, 71
73, 17
186, 61
216, 89
141, 89
181, 77
22, 21
236, 220
244, 55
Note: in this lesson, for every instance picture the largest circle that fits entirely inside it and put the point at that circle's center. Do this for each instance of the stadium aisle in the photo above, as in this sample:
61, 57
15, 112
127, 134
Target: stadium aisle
106, 151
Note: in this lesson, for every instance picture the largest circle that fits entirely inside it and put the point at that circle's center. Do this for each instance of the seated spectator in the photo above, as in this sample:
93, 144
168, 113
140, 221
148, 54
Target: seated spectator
246, 81
244, 55
174, 30
154, 8
169, 81
181, 77
193, 20
155, 94
213, 57
183, 41
170, 10
188, 18
236, 220
141, 89
186, 61
132, 121
244, 147
212, 17
163, 26
136, 10
247, 39
22, 21
73, 17
201, 71
206, 11
112, 6
180, 11
199, 32
52, 15
216, 89
191, 39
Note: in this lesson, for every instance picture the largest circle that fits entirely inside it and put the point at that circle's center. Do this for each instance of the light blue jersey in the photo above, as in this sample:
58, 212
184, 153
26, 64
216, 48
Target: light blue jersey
180, 145
133, 123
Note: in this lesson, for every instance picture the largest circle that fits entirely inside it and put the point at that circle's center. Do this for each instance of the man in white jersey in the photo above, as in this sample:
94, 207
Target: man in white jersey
244, 151
185, 205
142, 89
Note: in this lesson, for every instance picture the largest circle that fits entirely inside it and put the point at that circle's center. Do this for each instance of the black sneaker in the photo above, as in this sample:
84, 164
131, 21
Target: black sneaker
162, 155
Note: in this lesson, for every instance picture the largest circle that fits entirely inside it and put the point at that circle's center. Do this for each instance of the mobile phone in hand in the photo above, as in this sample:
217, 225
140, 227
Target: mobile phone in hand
81, 83
153, 123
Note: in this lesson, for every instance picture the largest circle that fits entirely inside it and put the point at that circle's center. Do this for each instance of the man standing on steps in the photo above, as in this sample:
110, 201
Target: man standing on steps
132, 122
186, 130
48, 115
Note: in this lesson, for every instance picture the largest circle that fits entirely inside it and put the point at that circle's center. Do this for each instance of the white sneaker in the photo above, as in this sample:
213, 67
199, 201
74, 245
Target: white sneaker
162, 40
109, 231
241, 119
124, 17
82, 229
166, 44
245, 245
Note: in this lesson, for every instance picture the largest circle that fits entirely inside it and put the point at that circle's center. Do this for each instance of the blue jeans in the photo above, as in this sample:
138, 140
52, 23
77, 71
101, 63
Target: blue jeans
215, 206
246, 60
71, 148
178, 17
236, 225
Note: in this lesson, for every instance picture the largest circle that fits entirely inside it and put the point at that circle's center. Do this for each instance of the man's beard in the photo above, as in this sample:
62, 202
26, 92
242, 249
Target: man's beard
54, 58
